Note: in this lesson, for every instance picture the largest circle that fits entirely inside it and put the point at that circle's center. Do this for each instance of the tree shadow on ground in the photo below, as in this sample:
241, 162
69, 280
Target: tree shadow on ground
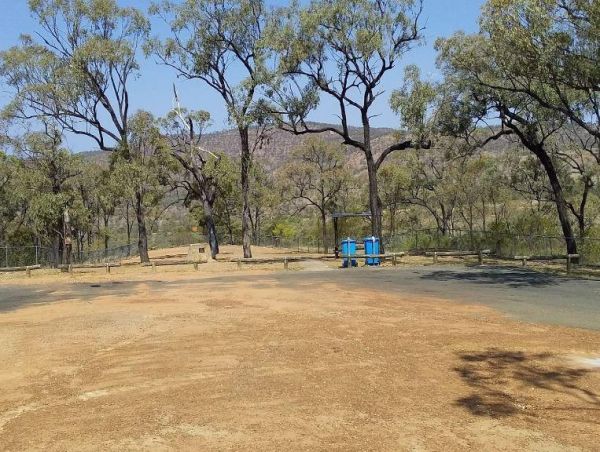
17, 296
502, 381
513, 277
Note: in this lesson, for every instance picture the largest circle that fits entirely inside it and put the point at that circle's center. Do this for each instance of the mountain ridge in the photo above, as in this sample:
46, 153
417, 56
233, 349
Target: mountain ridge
279, 144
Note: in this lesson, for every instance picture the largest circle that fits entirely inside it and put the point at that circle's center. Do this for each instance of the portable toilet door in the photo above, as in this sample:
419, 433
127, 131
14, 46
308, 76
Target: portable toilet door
372, 247
348, 249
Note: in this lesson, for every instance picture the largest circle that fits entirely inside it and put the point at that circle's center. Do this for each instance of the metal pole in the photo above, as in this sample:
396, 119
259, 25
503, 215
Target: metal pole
36, 255
335, 236
349, 261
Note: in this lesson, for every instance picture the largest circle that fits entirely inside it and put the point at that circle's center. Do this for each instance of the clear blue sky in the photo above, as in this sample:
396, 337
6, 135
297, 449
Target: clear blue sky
153, 92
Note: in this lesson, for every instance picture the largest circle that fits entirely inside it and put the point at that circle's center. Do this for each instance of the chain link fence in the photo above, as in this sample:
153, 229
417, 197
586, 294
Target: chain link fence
105, 255
298, 244
20, 256
504, 245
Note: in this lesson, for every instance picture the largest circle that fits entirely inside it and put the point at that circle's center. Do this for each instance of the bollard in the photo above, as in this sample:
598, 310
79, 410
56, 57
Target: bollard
394, 260
153, 267
107, 267
239, 264
570, 258
524, 262
480, 258
285, 263
196, 266
435, 257
28, 271
70, 268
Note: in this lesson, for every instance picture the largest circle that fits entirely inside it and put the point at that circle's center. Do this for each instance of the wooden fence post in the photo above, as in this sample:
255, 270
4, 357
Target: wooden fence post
285, 263
480, 258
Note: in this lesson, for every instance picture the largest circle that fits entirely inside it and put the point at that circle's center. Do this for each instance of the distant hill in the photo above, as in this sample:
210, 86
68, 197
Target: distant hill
274, 150
280, 144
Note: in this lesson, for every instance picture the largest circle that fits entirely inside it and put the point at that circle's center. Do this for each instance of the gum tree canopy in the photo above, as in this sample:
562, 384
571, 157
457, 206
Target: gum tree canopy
76, 69
342, 49
551, 49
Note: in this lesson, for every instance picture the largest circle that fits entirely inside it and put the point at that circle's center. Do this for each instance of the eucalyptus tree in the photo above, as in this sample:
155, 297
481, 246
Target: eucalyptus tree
480, 70
219, 43
342, 50
393, 179
107, 195
77, 69
314, 177
47, 179
579, 175
9, 200
432, 185
183, 130
147, 168
227, 204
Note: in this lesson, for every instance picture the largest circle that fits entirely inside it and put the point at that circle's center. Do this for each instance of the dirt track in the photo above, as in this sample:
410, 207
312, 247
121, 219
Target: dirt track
257, 362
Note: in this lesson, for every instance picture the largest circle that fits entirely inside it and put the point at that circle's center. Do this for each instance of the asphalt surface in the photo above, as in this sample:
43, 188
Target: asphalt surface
520, 293
523, 294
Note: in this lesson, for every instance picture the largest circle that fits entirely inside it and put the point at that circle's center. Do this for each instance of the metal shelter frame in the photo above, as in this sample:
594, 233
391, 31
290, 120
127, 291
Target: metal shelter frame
336, 217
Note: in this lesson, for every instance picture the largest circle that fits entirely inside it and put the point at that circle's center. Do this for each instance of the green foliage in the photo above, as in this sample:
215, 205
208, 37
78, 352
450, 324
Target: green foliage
340, 48
532, 70
315, 176
75, 70
413, 103
207, 36
286, 229
145, 165
46, 183
550, 50
10, 198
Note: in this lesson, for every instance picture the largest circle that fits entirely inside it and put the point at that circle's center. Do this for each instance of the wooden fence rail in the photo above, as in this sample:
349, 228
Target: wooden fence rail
27, 269
394, 257
155, 264
567, 257
480, 254
106, 265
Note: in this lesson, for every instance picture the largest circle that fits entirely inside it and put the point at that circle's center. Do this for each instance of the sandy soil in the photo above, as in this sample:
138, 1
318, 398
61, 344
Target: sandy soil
189, 361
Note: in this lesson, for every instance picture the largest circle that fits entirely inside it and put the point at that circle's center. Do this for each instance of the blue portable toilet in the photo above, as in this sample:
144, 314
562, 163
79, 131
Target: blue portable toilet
372, 247
348, 249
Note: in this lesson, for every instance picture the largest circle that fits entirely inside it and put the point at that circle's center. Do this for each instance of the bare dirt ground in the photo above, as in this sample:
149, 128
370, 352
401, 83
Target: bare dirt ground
262, 360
